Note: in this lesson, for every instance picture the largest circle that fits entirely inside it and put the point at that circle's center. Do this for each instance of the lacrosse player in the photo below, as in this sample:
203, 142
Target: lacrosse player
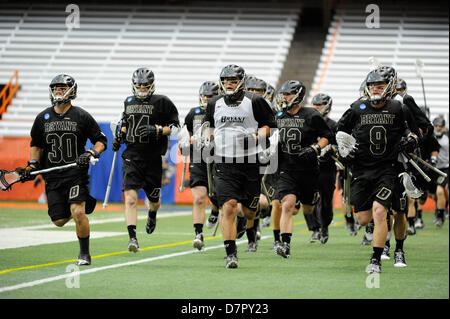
198, 181
58, 137
322, 216
442, 164
148, 120
241, 121
378, 124
303, 134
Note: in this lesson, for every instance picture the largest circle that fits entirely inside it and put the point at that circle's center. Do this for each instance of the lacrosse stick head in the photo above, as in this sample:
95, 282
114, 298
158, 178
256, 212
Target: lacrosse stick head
346, 143
419, 68
116, 125
8, 178
410, 189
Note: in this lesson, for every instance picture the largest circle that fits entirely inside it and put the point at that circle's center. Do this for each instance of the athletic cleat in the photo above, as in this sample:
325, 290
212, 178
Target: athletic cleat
198, 242
439, 222
353, 229
251, 247
133, 246
315, 236
411, 230
365, 241
151, 225
275, 245
374, 267
265, 222
419, 223
386, 255
241, 226
284, 250
83, 260
211, 221
258, 234
399, 259
324, 235
232, 261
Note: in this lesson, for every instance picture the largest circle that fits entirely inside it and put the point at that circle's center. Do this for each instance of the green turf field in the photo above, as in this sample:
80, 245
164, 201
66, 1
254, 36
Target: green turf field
167, 267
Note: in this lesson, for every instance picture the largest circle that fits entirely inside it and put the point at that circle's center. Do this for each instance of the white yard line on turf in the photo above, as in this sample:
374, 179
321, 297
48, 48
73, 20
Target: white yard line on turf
92, 270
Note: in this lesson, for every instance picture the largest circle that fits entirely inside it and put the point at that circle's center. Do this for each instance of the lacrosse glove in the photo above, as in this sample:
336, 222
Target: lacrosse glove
152, 131
409, 143
310, 153
25, 172
84, 159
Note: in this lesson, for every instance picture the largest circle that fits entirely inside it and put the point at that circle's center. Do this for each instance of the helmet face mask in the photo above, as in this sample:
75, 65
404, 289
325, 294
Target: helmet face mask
401, 87
322, 103
255, 85
375, 80
296, 90
143, 84
232, 80
62, 89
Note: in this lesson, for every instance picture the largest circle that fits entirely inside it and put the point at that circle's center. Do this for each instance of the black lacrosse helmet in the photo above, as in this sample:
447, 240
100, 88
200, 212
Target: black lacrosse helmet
323, 99
208, 88
255, 84
439, 121
232, 71
384, 74
293, 87
269, 93
401, 84
143, 76
70, 94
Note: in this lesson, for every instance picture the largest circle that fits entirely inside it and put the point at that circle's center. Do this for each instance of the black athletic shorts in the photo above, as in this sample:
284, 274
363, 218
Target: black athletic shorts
442, 181
146, 174
62, 193
237, 181
198, 176
374, 184
303, 184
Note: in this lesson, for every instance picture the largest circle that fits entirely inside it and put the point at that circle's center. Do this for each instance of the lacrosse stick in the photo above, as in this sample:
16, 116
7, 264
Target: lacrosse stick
268, 153
428, 165
419, 72
203, 140
115, 127
346, 143
374, 63
8, 178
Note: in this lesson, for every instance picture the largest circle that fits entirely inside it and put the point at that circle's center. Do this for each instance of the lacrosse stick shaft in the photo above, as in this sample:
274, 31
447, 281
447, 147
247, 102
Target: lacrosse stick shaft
414, 164
183, 175
209, 176
217, 226
111, 173
263, 182
428, 165
51, 169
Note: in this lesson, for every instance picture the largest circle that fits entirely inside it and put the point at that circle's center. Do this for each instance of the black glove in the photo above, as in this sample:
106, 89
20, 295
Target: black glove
116, 143
309, 153
330, 151
25, 172
84, 159
433, 161
153, 131
408, 144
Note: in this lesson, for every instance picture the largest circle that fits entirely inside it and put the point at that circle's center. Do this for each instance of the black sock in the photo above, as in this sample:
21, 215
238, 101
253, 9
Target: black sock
411, 221
377, 251
388, 243
198, 228
276, 235
215, 213
349, 219
132, 231
230, 246
256, 223
84, 245
251, 234
440, 213
151, 213
286, 237
419, 213
399, 244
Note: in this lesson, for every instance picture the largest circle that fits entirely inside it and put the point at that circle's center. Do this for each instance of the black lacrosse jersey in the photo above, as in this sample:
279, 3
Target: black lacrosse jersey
157, 109
193, 121
330, 165
420, 118
377, 131
297, 131
62, 137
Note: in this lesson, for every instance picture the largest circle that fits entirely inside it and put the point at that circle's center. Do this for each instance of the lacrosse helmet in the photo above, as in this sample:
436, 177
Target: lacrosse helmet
401, 86
439, 126
65, 81
232, 71
255, 85
382, 74
293, 87
269, 93
142, 77
207, 89
325, 100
